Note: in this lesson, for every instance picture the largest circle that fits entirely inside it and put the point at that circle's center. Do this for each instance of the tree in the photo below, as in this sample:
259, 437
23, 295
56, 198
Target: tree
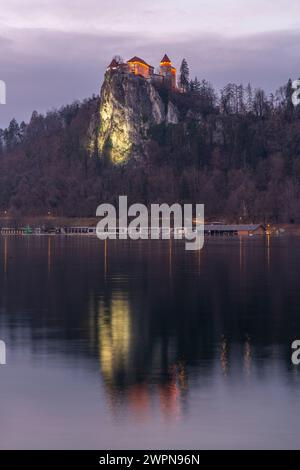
12, 135
260, 104
249, 98
289, 107
119, 59
195, 86
241, 106
184, 77
228, 99
1, 141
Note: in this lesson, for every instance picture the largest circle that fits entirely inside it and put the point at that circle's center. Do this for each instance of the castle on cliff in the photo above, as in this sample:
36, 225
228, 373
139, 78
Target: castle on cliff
137, 66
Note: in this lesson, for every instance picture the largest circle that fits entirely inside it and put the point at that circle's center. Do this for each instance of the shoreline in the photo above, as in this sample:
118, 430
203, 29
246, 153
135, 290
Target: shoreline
57, 221
55, 225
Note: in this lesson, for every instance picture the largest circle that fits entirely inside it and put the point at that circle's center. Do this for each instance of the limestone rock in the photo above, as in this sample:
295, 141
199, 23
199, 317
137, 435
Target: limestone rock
130, 105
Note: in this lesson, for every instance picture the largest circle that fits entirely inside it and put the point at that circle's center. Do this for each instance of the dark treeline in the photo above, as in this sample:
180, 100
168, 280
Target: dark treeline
238, 152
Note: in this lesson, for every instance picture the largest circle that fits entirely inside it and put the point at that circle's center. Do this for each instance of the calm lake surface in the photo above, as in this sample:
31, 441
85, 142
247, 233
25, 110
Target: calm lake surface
145, 345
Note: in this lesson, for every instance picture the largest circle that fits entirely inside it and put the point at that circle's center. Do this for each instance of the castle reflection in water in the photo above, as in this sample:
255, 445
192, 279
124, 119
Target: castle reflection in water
152, 317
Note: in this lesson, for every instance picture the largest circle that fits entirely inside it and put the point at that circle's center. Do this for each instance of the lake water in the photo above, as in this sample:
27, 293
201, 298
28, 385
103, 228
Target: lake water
145, 345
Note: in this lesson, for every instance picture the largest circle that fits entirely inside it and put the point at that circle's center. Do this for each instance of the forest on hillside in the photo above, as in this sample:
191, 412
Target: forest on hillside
238, 152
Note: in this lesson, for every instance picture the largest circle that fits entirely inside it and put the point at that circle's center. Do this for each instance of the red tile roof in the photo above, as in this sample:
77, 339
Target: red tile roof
165, 59
138, 59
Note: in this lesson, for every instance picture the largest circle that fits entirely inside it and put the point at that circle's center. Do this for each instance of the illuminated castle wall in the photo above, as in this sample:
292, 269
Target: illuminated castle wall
140, 67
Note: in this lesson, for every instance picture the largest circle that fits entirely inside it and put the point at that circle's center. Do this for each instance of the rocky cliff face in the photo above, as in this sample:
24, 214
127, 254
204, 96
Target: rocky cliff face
130, 106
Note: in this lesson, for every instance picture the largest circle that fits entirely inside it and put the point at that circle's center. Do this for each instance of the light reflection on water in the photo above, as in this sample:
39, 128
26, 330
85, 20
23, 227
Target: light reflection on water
144, 345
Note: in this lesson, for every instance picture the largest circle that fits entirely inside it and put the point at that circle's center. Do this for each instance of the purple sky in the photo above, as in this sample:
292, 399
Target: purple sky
55, 51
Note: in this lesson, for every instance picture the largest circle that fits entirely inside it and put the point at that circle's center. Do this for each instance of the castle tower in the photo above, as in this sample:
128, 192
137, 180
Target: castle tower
168, 71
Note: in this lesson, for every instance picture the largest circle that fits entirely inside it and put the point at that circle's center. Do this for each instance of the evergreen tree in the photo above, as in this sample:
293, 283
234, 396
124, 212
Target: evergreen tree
184, 77
12, 135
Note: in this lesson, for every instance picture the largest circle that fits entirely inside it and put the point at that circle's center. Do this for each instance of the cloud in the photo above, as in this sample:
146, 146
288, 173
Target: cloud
230, 17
